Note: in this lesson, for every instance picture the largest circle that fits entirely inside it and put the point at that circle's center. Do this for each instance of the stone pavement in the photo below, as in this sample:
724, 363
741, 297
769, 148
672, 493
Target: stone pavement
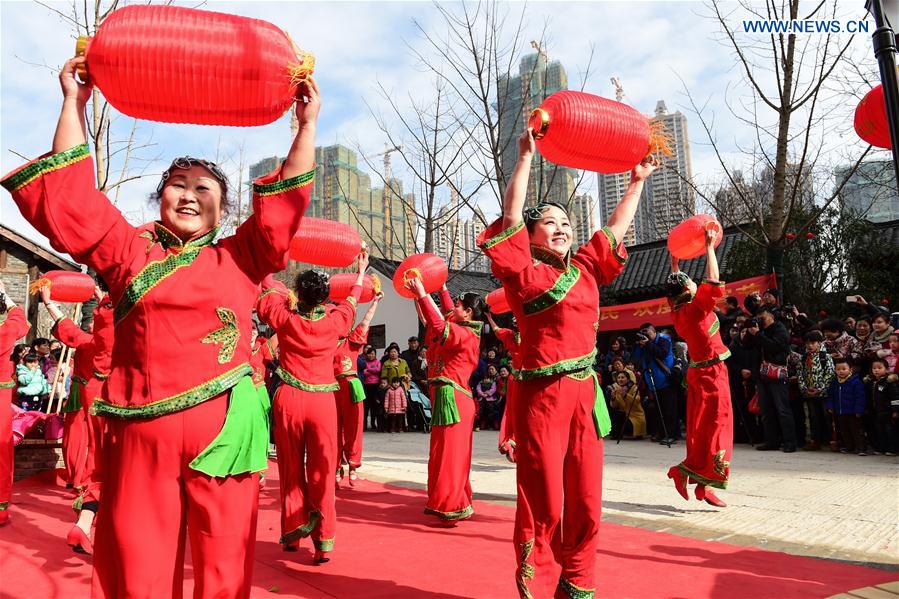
817, 504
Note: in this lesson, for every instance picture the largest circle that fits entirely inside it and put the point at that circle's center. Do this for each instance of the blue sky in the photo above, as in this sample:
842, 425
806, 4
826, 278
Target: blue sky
651, 46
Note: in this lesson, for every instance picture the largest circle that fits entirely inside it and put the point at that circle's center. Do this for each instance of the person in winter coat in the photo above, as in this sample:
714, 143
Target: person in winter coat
488, 398
626, 400
371, 381
884, 394
395, 405
33, 386
846, 399
814, 376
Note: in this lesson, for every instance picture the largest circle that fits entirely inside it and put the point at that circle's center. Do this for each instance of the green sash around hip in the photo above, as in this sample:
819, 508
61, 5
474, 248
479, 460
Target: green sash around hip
601, 419
357, 391
73, 401
443, 403
242, 444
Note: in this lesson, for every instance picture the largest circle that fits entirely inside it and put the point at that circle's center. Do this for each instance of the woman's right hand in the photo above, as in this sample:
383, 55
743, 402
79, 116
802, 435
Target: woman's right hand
45, 294
308, 102
72, 89
526, 144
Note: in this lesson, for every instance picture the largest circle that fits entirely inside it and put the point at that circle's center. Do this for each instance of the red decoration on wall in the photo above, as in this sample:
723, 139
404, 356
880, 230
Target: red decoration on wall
584, 131
325, 242
687, 240
342, 283
66, 286
430, 268
871, 119
497, 301
183, 65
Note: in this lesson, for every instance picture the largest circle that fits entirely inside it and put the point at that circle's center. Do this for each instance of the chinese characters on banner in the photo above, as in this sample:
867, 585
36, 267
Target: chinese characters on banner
657, 311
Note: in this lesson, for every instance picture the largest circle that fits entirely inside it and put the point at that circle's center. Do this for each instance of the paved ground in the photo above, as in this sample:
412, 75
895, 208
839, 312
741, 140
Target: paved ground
820, 504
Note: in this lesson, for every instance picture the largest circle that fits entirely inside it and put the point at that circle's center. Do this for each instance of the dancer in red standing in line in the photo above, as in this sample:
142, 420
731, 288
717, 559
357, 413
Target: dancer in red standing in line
12, 329
304, 408
511, 340
710, 425
186, 432
351, 396
561, 415
453, 350
85, 429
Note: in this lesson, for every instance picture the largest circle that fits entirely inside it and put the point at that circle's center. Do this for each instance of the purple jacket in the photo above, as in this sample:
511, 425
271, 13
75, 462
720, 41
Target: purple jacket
848, 397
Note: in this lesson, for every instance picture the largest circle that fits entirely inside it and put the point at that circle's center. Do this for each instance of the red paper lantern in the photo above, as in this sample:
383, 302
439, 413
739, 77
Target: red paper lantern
809, 235
588, 132
790, 236
341, 284
66, 286
183, 65
497, 301
871, 119
325, 242
687, 240
430, 268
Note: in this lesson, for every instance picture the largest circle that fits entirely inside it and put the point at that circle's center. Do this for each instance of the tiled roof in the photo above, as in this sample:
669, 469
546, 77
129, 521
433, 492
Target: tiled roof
888, 231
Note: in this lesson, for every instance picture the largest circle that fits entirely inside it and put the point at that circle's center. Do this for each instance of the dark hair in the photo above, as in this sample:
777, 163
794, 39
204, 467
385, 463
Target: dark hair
863, 319
881, 361
411, 339
840, 361
31, 357
813, 335
312, 288
534, 215
474, 302
39, 341
395, 379
101, 283
370, 350
184, 163
833, 325
731, 300
647, 325
885, 317
56, 353
16, 354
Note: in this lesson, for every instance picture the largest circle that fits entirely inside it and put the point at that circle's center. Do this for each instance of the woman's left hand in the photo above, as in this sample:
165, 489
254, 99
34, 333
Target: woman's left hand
308, 102
415, 286
646, 167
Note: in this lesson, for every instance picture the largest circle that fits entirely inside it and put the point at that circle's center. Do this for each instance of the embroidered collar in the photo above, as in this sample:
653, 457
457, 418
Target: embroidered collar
549, 257
680, 300
315, 313
474, 325
170, 241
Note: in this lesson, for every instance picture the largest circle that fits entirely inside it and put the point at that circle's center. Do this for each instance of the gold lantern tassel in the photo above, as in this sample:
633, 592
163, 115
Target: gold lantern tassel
660, 139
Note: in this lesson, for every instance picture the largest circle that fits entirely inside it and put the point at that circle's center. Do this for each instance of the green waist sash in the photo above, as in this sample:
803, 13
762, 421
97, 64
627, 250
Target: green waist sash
73, 403
601, 420
357, 391
443, 401
242, 444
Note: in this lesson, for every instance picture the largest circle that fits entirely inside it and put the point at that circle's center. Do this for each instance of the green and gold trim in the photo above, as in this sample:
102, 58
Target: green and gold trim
554, 294
613, 244
442, 380
525, 571
572, 591
41, 167
711, 361
300, 532
445, 335
7, 384
714, 283
462, 514
476, 326
175, 403
271, 290
703, 480
323, 544
303, 385
561, 367
715, 326
4, 505
549, 257
227, 335
316, 313
501, 236
101, 376
276, 187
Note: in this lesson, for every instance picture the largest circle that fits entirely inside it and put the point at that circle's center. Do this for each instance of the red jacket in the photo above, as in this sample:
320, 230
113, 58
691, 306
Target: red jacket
348, 351
183, 309
11, 330
698, 325
555, 300
512, 342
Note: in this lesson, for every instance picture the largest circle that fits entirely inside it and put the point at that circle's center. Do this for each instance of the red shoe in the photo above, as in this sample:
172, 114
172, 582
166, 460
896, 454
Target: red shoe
79, 542
703, 493
320, 557
4, 517
680, 481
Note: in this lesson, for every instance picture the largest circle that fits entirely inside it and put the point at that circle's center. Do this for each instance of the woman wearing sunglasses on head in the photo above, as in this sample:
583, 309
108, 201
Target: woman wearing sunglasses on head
187, 432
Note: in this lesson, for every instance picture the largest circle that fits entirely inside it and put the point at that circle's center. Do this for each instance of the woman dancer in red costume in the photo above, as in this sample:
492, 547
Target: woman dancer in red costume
12, 329
453, 350
186, 430
710, 424
511, 340
351, 396
304, 408
560, 417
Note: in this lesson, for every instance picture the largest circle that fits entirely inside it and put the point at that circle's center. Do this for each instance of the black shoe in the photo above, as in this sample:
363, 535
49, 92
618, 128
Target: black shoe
765, 447
668, 441
788, 448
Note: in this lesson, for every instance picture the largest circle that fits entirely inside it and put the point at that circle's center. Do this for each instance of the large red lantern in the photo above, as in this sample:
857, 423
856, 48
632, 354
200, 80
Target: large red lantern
430, 268
497, 301
66, 286
325, 242
183, 65
341, 284
588, 132
871, 119
687, 240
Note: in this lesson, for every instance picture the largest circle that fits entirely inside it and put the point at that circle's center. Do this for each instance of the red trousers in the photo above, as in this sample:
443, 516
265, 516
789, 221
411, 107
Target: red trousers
507, 425
153, 502
350, 416
710, 426
449, 464
74, 445
305, 425
559, 471
7, 464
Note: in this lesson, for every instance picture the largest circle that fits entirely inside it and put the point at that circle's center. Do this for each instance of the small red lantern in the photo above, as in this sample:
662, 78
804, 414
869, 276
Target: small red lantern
597, 134
66, 286
687, 240
497, 301
430, 268
871, 119
183, 65
884, 302
341, 284
790, 236
822, 313
809, 235
325, 242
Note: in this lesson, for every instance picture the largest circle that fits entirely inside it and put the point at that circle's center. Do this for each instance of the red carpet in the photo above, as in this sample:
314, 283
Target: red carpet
386, 548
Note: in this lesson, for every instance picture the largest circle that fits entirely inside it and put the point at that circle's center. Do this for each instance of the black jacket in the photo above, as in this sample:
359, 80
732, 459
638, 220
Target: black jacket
773, 342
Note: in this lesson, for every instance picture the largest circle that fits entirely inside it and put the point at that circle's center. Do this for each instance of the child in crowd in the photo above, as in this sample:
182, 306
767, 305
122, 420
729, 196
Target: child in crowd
883, 390
892, 357
371, 382
814, 374
626, 399
846, 399
33, 387
488, 400
395, 405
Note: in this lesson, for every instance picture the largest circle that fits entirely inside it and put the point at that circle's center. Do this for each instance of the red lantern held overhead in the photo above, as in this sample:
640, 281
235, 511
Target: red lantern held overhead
342, 283
430, 268
183, 65
687, 240
871, 119
497, 301
588, 132
66, 286
325, 242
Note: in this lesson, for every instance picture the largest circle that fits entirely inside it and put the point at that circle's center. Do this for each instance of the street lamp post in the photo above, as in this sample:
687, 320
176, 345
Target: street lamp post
884, 39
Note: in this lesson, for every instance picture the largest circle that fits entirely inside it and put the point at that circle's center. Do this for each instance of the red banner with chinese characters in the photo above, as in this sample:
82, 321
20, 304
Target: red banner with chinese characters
658, 312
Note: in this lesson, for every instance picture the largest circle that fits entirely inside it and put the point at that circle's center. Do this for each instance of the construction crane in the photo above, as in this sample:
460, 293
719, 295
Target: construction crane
619, 89
385, 196
539, 48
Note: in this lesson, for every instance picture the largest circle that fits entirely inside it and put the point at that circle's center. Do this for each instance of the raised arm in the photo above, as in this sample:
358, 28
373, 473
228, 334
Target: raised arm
64, 328
711, 263
70, 129
273, 305
345, 312
428, 309
446, 300
517, 187
623, 215
301, 157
